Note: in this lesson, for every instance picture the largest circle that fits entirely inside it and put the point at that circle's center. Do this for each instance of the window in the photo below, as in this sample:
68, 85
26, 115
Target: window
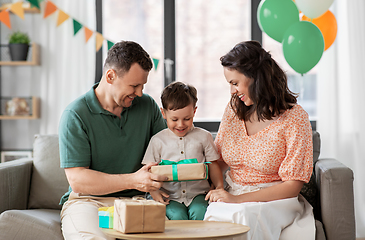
202, 32
205, 32
140, 21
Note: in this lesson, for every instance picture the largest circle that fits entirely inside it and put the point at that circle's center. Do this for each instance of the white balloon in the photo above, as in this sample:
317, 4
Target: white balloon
313, 8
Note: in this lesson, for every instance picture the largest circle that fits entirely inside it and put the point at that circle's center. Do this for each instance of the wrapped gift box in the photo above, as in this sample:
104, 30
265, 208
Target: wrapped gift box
139, 216
182, 172
106, 215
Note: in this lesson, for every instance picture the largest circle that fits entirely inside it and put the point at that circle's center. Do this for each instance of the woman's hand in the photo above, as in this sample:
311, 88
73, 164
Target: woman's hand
220, 195
160, 196
279, 191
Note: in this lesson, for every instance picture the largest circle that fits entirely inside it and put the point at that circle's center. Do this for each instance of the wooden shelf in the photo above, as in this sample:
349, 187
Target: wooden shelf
26, 7
34, 61
35, 112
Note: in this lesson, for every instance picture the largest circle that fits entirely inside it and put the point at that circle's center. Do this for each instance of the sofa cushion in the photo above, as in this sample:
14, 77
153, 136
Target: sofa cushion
49, 181
309, 190
35, 224
316, 146
320, 235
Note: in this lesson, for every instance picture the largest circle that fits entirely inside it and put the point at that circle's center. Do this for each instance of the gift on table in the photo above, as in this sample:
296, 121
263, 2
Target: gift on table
183, 170
106, 215
139, 216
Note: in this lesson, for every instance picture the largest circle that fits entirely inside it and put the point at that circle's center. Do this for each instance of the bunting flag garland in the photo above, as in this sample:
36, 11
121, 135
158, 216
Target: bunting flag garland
50, 8
5, 18
99, 41
77, 26
17, 9
88, 34
110, 44
155, 63
35, 3
62, 16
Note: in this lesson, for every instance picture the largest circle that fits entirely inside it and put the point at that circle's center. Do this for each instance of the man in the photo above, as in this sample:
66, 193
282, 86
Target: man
103, 136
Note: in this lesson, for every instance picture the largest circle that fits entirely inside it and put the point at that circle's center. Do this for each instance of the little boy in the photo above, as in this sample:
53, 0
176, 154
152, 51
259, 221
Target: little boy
181, 140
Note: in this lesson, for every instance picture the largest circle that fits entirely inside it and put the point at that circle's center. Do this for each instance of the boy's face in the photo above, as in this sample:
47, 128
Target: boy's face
179, 121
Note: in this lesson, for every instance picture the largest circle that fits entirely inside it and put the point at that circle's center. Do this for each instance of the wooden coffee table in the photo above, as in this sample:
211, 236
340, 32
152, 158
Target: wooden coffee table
188, 229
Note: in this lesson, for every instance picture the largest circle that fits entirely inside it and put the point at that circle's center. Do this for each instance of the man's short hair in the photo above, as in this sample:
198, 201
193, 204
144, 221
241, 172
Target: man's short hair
125, 53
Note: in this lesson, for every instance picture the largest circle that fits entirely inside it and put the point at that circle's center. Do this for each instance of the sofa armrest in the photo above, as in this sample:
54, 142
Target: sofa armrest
335, 183
15, 183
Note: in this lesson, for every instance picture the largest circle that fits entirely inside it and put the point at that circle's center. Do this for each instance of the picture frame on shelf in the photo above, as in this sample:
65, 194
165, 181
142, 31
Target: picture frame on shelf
19, 108
13, 155
16, 106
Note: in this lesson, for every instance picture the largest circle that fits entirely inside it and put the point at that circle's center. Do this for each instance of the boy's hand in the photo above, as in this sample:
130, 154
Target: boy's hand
160, 196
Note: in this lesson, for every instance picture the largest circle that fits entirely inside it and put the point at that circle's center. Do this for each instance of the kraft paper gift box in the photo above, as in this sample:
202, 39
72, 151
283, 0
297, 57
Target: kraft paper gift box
182, 170
106, 215
139, 216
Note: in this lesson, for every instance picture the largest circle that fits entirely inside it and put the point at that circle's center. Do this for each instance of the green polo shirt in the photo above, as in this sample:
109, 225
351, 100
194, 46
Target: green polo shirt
90, 136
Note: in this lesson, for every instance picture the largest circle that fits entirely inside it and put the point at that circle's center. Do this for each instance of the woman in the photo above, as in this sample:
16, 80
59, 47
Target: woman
265, 138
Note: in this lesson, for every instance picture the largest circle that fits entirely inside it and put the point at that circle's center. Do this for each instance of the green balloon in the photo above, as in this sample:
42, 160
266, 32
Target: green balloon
275, 16
303, 46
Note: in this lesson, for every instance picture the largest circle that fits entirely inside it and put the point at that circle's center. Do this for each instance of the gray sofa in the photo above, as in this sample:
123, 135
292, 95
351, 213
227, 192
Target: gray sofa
30, 190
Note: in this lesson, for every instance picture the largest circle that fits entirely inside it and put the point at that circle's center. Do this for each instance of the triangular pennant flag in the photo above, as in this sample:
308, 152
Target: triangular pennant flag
77, 26
17, 9
155, 63
62, 16
88, 34
34, 3
99, 40
5, 18
110, 44
50, 8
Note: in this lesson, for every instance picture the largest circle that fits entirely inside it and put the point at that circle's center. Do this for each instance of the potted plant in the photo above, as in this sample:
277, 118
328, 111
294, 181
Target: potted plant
19, 46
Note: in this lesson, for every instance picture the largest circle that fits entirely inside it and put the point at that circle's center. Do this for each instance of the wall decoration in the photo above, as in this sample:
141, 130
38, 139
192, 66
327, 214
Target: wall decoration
305, 37
50, 8
327, 24
17, 9
13, 155
303, 46
275, 16
17, 106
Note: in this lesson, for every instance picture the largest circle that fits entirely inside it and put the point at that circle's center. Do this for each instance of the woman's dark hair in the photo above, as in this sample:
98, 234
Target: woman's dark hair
123, 54
178, 95
269, 90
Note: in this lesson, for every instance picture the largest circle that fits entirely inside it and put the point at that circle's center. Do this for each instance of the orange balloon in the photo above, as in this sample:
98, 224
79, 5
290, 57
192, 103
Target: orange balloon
327, 24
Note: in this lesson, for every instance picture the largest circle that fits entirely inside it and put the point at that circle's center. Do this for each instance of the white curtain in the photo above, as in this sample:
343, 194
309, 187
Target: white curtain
67, 62
341, 98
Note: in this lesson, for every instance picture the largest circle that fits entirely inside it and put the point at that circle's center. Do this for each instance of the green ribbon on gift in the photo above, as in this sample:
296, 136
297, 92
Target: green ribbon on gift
174, 164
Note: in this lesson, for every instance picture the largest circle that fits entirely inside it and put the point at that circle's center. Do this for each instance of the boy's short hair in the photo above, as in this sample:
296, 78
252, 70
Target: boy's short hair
178, 95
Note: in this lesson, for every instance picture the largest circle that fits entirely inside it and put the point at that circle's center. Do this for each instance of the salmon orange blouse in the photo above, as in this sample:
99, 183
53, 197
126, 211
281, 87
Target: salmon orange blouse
280, 152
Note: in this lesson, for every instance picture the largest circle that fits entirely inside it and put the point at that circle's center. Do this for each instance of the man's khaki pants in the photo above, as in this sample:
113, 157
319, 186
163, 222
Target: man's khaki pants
79, 217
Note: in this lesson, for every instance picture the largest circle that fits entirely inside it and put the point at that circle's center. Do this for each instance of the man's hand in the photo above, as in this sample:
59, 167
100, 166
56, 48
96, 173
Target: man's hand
160, 196
145, 181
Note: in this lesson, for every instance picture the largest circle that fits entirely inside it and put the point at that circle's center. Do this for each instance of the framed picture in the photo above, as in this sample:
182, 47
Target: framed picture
13, 155
16, 106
